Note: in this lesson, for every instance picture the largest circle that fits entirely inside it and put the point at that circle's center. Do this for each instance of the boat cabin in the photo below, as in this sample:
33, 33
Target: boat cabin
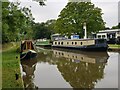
79, 42
112, 36
26, 45
82, 44
58, 37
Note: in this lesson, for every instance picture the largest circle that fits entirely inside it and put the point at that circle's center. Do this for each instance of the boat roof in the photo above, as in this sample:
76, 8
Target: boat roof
78, 39
26, 41
109, 30
57, 34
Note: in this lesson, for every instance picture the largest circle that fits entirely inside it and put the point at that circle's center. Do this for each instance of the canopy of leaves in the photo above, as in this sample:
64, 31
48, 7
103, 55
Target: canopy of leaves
116, 27
41, 31
75, 14
44, 30
15, 21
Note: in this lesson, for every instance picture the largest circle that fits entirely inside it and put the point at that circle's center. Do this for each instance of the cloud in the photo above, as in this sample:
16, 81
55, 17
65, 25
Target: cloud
43, 13
53, 8
110, 10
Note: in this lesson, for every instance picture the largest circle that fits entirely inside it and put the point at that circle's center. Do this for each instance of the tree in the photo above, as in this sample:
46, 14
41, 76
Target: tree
116, 27
75, 14
50, 24
41, 2
15, 21
41, 31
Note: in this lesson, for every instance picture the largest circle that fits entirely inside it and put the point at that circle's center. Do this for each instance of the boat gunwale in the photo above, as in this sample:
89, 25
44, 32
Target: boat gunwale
78, 39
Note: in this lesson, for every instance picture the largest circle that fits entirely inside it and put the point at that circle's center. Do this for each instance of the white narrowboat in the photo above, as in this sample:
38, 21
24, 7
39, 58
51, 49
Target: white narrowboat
82, 44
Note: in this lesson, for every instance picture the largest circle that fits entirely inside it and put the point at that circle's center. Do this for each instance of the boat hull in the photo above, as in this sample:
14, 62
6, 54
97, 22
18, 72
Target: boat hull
84, 48
28, 55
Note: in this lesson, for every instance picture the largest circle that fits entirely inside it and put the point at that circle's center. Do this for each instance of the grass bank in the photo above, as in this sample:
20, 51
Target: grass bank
114, 46
0, 70
11, 67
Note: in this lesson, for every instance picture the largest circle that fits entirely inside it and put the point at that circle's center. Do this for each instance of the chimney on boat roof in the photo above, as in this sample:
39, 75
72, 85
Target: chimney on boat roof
85, 31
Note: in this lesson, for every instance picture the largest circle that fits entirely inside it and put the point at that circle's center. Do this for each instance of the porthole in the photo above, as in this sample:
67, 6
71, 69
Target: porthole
81, 43
61, 43
55, 42
72, 43
76, 56
82, 58
67, 42
75, 43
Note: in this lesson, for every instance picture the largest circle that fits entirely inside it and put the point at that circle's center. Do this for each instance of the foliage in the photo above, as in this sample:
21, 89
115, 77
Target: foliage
41, 31
116, 27
15, 21
75, 14
50, 24
41, 2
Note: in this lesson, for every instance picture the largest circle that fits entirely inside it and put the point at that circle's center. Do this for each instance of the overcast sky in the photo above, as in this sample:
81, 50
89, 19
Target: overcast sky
53, 8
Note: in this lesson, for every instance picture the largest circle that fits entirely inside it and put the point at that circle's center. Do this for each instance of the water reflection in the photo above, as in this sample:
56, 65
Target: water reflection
77, 56
28, 67
79, 69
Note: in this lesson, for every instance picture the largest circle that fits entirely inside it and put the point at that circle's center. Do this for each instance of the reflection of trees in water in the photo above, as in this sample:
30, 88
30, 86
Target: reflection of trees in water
78, 74
46, 57
81, 75
28, 67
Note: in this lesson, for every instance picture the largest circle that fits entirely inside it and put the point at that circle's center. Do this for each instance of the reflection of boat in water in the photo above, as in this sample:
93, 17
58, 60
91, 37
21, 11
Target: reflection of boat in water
89, 57
85, 74
27, 50
79, 75
28, 67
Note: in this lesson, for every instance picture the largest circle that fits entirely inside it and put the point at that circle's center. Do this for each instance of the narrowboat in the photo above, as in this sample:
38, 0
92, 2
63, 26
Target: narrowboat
44, 43
82, 44
27, 50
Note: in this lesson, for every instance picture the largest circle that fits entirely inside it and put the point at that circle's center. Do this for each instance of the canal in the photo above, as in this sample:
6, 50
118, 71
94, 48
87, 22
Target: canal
71, 69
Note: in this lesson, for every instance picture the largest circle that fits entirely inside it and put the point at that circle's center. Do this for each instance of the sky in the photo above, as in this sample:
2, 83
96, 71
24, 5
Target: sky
53, 8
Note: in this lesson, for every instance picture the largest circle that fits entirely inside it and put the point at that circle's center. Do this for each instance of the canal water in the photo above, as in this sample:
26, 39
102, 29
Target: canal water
71, 69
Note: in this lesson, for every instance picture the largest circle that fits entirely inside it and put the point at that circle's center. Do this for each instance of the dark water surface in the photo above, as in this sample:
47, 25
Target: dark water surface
71, 69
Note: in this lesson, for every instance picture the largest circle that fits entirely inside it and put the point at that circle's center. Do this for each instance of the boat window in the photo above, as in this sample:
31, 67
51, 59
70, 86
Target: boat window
76, 56
67, 42
72, 43
58, 42
55, 42
82, 58
99, 36
23, 46
75, 43
81, 43
103, 36
118, 32
61, 43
